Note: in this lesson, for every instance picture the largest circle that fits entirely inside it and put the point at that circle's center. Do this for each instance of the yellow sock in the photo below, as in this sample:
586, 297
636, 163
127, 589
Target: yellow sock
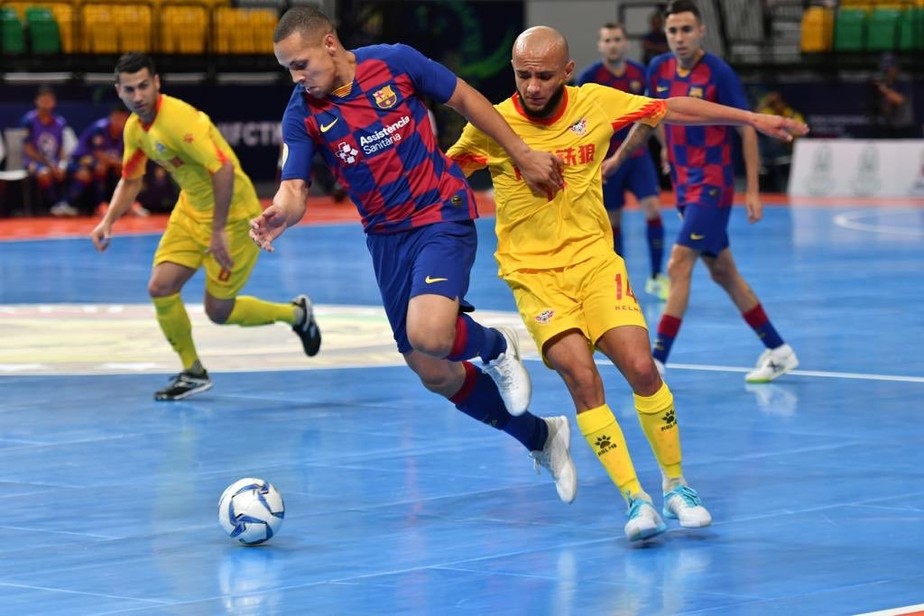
174, 322
250, 311
656, 414
605, 437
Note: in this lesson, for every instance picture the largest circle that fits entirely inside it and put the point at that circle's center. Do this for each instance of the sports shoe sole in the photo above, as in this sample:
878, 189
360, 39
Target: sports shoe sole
183, 396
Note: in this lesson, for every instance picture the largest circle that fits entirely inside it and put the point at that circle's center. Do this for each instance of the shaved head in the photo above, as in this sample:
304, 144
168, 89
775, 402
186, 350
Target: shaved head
542, 41
542, 65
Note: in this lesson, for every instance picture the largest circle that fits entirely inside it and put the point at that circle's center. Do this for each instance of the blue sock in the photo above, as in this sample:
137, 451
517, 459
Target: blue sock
474, 340
480, 400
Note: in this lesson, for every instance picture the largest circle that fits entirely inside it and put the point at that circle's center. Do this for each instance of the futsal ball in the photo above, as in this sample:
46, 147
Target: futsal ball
251, 510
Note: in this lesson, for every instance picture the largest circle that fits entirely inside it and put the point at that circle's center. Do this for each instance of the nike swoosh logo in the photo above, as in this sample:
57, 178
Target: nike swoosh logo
696, 236
429, 280
662, 88
327, 127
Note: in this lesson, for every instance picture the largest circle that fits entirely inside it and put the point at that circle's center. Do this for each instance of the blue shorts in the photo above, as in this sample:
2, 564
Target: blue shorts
637, 175
434, 259
704, 228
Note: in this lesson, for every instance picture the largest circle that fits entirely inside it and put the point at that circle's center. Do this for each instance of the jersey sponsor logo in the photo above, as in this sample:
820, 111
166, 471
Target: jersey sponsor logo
327, 127
384, 137
385, 98
696, 236
346, 152
696, 91
579, 127
431, 280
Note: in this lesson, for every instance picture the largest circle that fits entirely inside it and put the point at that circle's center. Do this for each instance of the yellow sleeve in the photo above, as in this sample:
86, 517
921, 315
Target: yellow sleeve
134, 160
623, 108
471, 150
191, 134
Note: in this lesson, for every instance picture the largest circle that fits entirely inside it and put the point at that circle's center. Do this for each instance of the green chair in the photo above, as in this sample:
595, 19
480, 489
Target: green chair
911, 30
12, 37
850, 30
882, 29
43, 31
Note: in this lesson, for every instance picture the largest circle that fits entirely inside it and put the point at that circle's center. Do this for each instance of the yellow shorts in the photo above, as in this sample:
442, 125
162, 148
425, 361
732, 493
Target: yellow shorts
592, 297
186, 242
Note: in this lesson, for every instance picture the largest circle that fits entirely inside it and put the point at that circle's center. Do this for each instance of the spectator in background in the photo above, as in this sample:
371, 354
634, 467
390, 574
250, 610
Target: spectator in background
96, 163
892, 108
654, 43
43, 151
775, 154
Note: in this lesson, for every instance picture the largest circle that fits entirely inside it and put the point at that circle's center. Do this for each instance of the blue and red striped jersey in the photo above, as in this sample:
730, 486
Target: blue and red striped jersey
378, 141
700, 156
632, 80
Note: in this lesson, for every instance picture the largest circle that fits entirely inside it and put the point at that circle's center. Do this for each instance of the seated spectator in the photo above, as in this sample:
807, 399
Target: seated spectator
775, 155
43, 152
96, 164
893, 111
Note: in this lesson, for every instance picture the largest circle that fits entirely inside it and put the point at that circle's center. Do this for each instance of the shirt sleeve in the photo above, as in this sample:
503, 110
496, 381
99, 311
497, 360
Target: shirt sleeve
193, 137
297, 146
728, 87
623, 108
431, 78
470, 152
134, 160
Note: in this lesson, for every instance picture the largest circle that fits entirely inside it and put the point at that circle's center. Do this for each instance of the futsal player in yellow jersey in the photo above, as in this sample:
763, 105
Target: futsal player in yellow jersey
208, 228
571, 289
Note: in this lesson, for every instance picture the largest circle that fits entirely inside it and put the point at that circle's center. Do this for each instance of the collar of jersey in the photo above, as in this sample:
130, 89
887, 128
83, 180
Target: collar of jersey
545, 121
160, 100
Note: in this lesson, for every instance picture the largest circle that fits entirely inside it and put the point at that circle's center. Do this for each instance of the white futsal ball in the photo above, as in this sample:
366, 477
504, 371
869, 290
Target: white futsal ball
251, 510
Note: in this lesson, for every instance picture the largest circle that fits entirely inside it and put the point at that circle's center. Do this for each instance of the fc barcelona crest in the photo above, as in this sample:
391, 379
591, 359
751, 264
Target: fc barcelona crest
385, 97
696, 92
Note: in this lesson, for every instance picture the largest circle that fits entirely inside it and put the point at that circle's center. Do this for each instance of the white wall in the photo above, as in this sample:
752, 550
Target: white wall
580, 20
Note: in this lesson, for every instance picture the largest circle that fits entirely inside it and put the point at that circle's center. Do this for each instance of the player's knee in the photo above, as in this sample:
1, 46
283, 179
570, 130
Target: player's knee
430, 342
642, 375
584, 383
218, 312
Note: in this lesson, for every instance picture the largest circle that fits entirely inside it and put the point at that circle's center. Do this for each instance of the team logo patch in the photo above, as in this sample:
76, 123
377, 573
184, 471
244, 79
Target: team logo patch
696, 92
346, 152
635, 85
160, 147
385, 98
579, 127
188, 138
544, 317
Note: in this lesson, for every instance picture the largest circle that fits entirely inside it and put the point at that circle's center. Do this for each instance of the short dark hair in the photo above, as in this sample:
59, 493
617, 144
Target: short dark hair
614, 25
44, 90
683, 6
304, 18
132, 62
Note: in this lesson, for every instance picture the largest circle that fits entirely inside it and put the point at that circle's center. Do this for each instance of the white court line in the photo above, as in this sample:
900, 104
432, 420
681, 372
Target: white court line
851, 221
898, 611
816, 373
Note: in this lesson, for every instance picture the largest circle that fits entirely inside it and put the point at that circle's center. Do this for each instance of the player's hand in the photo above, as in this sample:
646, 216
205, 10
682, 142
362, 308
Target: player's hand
780, 127
753, 206
665, 161
608, 168
218, 247
101, 235
268, 226
542, 172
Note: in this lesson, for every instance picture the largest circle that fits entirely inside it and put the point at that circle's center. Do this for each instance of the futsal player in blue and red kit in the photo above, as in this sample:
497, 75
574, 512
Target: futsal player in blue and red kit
703, 176
637, 174
362, 110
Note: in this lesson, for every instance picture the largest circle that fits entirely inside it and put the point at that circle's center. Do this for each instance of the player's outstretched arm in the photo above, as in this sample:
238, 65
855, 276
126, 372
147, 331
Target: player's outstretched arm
694, 111
637, 136
542, 171
125, 193
288, 207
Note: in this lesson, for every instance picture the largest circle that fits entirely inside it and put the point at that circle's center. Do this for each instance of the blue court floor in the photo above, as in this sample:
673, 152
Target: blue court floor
398, 504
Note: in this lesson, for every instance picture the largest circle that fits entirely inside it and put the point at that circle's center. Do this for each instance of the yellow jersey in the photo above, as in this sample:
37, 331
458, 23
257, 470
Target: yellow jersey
185, 142
533, 232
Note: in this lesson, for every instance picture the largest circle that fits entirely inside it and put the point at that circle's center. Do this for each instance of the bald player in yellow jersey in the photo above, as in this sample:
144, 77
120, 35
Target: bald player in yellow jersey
571, 289
208, 228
